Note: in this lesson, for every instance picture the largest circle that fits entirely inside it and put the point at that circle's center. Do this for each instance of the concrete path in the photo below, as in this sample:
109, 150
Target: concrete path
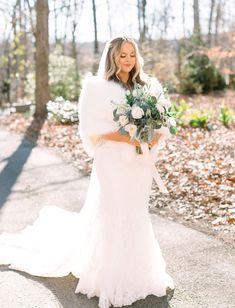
203, 268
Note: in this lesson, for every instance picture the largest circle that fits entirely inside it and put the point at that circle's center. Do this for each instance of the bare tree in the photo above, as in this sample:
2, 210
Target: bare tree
152, 24
96, 45
165, 18
141, 6
217, 20
20, 14
31, 18
74, 28
210, 21
183, 18
18, 52
42, 58
74, 46
109, 18
68, 13
196, 24
55, 21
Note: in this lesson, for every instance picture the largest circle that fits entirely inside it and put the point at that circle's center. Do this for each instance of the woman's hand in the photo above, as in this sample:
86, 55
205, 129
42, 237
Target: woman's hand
116, 136
119, 138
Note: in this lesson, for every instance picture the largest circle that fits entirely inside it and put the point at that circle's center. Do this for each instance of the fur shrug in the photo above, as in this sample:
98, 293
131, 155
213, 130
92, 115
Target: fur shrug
96, 109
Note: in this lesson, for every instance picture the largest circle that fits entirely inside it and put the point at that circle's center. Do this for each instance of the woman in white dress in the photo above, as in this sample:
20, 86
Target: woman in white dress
110, 244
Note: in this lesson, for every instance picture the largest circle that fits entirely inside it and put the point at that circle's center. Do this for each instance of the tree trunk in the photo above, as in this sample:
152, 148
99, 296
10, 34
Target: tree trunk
55, 22
31, 18
183, 18
42, 58
210, 22
217, 20
96, 46
68, 13
74, 47
166, 17
109, 18
196, 25
141, 5
139, 15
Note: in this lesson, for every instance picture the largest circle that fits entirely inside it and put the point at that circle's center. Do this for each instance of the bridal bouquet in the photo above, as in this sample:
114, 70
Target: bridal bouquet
142, 113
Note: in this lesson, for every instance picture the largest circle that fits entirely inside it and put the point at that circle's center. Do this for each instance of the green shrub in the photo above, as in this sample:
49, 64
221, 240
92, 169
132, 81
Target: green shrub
171, 85
64, 80
59, 88
225, 115
197, 74
180, 110
200, 118
232, 81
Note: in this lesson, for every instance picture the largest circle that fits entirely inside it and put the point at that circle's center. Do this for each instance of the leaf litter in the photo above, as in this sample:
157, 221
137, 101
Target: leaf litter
197, 166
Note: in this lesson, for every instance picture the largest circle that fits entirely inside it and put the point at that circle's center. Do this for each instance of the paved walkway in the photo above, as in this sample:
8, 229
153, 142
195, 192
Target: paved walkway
203, 268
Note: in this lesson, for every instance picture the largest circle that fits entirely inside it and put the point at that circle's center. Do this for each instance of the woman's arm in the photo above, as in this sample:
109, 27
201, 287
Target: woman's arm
124, 138
120, 138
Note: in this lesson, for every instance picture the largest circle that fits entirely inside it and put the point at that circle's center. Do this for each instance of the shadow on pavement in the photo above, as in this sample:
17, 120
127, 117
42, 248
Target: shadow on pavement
17, 160
63, 288
49, 185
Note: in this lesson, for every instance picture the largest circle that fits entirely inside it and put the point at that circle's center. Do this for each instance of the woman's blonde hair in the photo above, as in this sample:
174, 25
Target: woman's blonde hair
112, 60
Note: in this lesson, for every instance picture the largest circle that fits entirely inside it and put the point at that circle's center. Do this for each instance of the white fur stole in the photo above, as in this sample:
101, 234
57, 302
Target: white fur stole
96, 109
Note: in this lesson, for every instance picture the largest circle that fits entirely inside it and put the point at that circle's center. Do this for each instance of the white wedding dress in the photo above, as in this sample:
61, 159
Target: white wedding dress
109, 245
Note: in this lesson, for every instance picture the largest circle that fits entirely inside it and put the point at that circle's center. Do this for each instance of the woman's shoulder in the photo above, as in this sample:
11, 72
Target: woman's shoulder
97, 81
97, 89
90, 79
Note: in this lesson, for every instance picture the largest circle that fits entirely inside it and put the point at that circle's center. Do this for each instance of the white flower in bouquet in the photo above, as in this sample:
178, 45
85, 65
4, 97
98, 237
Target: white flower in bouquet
131, 129
123, 120
171, 122
121, 110
164, 102
135, 93
137, 112
146, 111
160, 108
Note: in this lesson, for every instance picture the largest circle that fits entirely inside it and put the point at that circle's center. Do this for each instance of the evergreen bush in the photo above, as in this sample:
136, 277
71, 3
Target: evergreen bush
197, 74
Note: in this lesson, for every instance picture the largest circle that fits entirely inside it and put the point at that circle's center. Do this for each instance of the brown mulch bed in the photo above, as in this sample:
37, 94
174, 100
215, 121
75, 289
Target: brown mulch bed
198, 167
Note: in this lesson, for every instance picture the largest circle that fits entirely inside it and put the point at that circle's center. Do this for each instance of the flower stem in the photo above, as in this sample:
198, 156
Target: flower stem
138, 149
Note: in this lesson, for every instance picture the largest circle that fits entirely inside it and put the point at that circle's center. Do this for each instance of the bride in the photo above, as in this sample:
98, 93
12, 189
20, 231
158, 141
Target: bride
110, 244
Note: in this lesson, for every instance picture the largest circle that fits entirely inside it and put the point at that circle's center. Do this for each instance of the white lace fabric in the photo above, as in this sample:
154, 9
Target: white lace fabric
109, 245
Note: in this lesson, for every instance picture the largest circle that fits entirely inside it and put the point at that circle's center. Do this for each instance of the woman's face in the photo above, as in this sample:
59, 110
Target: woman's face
127, 57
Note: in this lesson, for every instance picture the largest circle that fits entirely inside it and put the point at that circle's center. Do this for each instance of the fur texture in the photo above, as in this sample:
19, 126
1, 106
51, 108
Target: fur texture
96, 109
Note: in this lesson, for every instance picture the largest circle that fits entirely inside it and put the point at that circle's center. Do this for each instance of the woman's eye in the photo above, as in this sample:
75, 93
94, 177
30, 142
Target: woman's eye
124, 56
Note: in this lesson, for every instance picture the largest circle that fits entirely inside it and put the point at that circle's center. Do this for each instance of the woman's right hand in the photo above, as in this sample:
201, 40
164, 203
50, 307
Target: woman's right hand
116, 136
